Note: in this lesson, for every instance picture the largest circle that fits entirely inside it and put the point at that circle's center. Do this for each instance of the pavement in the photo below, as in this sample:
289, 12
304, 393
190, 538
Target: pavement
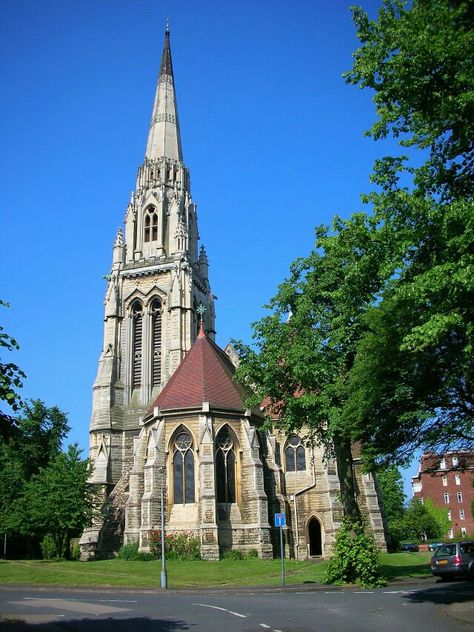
462, 611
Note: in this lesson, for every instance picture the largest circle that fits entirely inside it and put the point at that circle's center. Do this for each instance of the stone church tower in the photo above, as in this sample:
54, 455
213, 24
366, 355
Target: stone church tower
167, 413
157, 281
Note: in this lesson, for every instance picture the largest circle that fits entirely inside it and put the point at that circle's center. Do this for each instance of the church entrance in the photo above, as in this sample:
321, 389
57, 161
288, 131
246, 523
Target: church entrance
314, 537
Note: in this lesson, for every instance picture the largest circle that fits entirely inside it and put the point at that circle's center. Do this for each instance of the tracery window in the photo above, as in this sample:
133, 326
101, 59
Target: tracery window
151, 224
225, 467
183, 469
137, 340
295, 456
156, 329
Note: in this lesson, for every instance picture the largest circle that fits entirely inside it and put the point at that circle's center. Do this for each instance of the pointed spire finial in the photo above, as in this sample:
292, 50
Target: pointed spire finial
167, 25
201, 310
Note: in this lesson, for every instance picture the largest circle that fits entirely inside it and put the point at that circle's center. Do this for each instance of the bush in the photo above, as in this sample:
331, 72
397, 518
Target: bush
355, 559
130, 553
179, 545
74, 549
48, 548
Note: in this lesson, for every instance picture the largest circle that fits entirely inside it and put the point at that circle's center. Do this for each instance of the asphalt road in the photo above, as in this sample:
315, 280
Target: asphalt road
394, 609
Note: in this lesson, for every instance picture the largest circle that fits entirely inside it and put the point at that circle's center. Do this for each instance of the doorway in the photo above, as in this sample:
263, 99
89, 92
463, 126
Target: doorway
314, 537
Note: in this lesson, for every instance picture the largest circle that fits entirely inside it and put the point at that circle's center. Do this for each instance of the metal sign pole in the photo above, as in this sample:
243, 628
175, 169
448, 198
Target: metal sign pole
164, 579
282, 550
280, 521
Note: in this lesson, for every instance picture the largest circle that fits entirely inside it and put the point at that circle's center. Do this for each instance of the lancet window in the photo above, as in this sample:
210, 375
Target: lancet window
183, 469
225, 467
156, 331
151, 224
295, 455
137, 342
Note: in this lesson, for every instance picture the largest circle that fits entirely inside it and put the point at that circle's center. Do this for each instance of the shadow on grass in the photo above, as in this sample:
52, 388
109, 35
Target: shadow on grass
94, 625
403, 571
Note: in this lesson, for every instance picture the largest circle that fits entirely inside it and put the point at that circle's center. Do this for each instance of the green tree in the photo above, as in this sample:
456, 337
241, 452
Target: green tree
306, 347
58, 500
424, 520
390, 484
35, 442
41, 432
412, 381
418, 58
11, 380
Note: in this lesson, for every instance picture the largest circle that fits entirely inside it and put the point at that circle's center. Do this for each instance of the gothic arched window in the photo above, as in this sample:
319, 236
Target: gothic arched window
295, 456
151, 225
156, 342
225, 467
183, 469
137, 338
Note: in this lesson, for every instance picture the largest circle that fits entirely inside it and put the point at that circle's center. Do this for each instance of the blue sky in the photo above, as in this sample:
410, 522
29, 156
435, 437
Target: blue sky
271, 133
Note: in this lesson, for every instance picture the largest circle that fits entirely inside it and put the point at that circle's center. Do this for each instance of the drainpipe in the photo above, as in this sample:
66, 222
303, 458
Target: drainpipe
301, 491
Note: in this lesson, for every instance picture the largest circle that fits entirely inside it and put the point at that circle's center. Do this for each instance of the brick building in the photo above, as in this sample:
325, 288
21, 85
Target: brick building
442, 480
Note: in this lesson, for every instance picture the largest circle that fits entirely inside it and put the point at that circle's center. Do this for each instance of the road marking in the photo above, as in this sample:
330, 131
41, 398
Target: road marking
207, 605
264, 625
364, 592
116, 600
70, 605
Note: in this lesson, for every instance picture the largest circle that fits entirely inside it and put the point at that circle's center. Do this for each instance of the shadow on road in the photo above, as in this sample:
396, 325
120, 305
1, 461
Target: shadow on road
444, 593
94, 625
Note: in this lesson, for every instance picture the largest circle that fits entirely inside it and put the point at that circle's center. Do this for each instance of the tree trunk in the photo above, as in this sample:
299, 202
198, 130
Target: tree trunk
345, 473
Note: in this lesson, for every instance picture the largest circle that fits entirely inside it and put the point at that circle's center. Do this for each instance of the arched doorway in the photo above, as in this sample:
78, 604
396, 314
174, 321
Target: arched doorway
314, 537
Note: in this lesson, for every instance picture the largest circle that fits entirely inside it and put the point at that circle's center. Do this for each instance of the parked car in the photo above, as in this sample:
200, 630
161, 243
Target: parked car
453, 559
412, 548
432, 546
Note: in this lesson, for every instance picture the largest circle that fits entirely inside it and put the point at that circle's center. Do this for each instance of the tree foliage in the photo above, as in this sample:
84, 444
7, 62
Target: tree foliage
378, 348
418, 58
58, 500
39, 433
11, 380
423, 520
412, 383
390, 485
355, 559
306, 347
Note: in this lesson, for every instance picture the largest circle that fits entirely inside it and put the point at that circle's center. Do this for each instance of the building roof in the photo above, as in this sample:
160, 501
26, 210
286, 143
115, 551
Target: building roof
204, 375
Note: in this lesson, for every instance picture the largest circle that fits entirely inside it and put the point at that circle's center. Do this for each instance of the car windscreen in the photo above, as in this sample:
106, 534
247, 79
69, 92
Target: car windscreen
445, 549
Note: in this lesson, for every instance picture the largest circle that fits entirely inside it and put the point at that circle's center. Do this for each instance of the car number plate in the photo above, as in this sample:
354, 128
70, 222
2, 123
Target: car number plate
441, 562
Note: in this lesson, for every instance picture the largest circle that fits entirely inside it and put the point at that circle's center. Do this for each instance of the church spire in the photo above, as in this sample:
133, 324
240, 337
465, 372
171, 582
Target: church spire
164, 139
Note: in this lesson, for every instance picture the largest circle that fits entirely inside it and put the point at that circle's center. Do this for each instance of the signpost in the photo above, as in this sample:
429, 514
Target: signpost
280, 521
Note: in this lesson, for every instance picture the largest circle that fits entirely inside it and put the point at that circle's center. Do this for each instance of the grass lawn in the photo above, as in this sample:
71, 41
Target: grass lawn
118, 573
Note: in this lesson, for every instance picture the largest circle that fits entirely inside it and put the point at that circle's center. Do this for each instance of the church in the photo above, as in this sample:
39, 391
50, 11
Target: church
167, 415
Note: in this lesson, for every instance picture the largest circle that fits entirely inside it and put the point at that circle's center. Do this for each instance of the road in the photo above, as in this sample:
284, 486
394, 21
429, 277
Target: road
410, 607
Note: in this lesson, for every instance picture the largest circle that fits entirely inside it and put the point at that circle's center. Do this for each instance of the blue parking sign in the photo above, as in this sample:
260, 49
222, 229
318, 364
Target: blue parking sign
280, 520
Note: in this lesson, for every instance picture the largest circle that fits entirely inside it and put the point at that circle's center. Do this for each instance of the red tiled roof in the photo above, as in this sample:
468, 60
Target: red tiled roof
204, 375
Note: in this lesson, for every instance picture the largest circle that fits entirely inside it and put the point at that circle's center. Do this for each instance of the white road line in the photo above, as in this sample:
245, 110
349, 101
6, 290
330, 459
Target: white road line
264, 625
207, 605
363, 592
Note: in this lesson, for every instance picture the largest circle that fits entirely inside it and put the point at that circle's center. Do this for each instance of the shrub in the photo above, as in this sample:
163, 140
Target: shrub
130, 553
48, 548
179, 545
252, 554
74, 549
355, 559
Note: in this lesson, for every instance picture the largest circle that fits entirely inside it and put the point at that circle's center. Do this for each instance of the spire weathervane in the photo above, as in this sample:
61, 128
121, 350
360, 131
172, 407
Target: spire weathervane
201, 310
